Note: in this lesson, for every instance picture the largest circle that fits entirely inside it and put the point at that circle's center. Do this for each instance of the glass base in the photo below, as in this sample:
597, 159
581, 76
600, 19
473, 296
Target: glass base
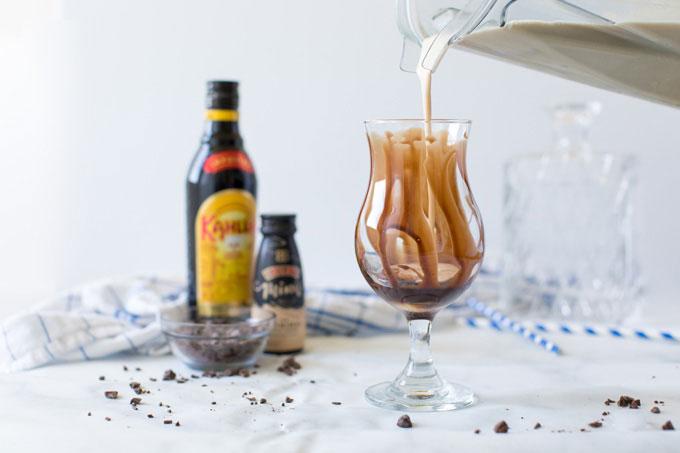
447, 397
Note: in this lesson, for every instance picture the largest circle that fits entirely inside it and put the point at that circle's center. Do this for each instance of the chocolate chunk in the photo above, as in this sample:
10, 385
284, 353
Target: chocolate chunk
635, 404
89, 414
609, 401
195, 376
291, 362
125, 368
263, 400
337, 403
595, 424
477, 431
134, 385
160, 404
213, 403
169, 375
209, 373
138, 369
182, 380
228, 372
283, 404
312, 381
102, 378
167, 422
153, 379
243, 372
624, 401
111, 394
668, 426
135, 401
501, 427
108, 419
655, 410
404, 421
537, 425
177, 424
289, 399
605, 413
583, 430
149, 415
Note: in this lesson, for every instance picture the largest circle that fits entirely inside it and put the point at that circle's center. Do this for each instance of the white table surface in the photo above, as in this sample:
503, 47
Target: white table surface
46, 409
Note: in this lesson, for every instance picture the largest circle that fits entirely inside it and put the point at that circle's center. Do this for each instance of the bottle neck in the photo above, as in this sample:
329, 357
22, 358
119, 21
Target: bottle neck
220, 121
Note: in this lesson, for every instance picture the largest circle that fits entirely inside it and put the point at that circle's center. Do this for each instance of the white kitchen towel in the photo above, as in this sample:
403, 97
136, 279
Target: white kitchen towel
121, 315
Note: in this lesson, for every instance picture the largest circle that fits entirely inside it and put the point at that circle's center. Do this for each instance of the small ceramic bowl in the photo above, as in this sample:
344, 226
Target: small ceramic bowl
216, 346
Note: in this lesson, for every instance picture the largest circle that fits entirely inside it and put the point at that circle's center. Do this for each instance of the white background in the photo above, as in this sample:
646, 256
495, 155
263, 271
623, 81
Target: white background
101, 110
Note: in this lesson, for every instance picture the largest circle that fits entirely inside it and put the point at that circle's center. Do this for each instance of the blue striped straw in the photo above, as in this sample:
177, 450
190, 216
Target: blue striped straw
604, 331
501, 319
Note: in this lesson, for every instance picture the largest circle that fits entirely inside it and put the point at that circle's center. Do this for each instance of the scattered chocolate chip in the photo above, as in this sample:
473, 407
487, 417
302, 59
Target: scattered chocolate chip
195, 376
89, 414
169, 411
312, 381
477, 431
583, 430
668, 426
605, 413
289, 399
169, 375
213, 403
149, 415
609, 401
153, 379
167, 422
209, 373
243, 372
624, 401
108, 419
263, 400
337, 403
138, 369
635, 404
283, 404
290, 361
595, 424
501, 427
111, 394
404, 421
125, 368
537, 425
182, 380
177, 424
102, 378
655, 410
135, 401
661, 402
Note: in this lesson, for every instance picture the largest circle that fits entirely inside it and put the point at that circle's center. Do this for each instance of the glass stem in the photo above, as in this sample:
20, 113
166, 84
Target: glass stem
420, 378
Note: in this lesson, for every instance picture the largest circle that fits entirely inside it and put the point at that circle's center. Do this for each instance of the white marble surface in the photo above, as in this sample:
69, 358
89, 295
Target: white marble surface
46, 409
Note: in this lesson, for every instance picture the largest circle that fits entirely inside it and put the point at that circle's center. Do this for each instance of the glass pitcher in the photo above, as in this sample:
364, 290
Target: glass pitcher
626, 46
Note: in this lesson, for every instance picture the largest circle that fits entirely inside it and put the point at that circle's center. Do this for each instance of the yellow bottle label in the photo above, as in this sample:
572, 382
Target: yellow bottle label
225, 237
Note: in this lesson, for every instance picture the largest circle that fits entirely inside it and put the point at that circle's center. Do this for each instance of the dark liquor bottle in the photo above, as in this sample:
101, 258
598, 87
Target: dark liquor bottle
221, 191
278, 284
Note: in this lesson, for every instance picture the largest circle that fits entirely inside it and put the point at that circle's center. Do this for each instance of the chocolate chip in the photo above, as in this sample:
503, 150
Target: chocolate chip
209, 373
169, 375
134, 385
153, 379
477, 431
149, 415
404, 421
243, 372
537, 425
167, 422
195, 376
583, 430
655, 410
125, 368
501, 427
595, 424
290, 361
668, 426
263, 400
635, 404
312, 381
213, 403
289, 399
177, 424
605, 413
102, 378
182, 380
609, 401
111, 394
337, 403
89, 414
138, 369
624, 401
135, 401
108, 419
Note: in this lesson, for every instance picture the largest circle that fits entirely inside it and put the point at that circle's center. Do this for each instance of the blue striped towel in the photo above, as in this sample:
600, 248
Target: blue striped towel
121, 315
